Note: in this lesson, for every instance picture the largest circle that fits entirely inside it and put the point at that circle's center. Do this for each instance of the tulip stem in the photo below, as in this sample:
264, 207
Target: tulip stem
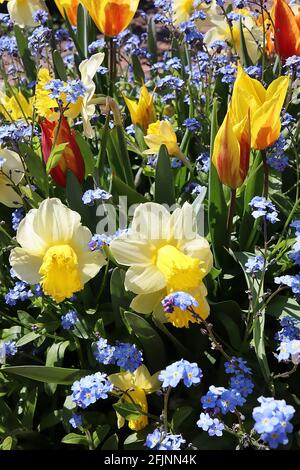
112, 66
231, 211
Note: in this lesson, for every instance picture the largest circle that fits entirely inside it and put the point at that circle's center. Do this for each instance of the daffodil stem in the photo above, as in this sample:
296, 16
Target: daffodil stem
166, 401
266, 174
231, 211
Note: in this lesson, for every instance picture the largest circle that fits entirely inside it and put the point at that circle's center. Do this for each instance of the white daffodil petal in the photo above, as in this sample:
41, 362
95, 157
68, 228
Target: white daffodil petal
129, 250
25, 265
144, 279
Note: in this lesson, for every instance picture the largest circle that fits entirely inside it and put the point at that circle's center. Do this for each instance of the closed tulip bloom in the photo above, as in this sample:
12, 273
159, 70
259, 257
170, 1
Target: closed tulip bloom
232, 150
143, 111
11, 174
135, 387
71, 158
68, 8
287, 29
111, 16
54, 250
265, 106
165, 254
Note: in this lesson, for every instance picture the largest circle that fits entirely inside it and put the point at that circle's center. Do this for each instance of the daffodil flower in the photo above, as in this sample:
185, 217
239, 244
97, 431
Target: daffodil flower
133, 388
165, 254
16, 107
183, 9
264, 105
143, 111
11, 174
54, 250
231, 34
21, 11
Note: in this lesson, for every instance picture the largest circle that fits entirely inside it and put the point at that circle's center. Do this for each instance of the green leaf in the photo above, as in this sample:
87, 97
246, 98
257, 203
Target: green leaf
29, 65
88, 157
152, 343
28, 338
181, 415
245, 59
7, 444
36, 167
55, 156
282, 306
152, 39
29, 408
227, 316
164, 182
254, 187
217, 207
129, 411
112, 443
138, 72
100, 434
55, 355
74, 195
56, 375
75, 439
119, 188
59, 66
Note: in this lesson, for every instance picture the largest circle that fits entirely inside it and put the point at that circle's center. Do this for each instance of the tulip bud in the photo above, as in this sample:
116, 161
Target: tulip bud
287, 29
232, 150
71, 158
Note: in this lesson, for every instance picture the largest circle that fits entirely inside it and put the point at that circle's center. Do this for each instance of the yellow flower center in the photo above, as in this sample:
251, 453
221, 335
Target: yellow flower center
60, 273
182, 272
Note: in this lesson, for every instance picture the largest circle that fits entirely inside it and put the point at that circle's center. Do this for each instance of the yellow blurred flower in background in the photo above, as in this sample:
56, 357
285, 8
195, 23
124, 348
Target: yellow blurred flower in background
165, 254
162, 133
68, 8
21, 11
16, 107
183, 10
54, 250
136, 385
143, 111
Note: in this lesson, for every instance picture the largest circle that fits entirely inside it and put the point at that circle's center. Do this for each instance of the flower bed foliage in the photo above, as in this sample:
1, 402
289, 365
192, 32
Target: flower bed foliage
150, 232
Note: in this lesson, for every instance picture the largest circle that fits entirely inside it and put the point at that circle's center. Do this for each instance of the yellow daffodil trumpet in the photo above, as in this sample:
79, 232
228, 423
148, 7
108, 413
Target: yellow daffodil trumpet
54, 250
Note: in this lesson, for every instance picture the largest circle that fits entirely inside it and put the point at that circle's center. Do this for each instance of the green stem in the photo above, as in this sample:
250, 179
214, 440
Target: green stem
112, 66
231, 212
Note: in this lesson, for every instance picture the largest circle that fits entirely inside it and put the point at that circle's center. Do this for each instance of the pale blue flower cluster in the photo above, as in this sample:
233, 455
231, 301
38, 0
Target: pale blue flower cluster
254, 265
295, 256
291, 281
213, 426
188, 372
10, 348
92, 195
263, 208
178, 299
272, 421
91, 388
125, 355
76, 420
69, 320
72, 90
160, 440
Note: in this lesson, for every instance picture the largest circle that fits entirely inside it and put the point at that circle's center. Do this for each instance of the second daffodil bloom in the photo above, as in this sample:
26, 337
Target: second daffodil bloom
232, 150
133, 387
183, 9
21, 11
54, 250
68, 8
164, 254
162, 133
143, 111
264, 104
11, 174
111, 16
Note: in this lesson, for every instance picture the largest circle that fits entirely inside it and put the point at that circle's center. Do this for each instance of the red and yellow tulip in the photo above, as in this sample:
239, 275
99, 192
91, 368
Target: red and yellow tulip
68, 8
71, 158
232, 150
111, 16
264, 104
287, 29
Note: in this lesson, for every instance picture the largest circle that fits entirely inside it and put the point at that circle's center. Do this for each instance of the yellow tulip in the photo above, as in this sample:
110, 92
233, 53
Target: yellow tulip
162, 133
111, 16
136, 385
165, 254
16, 107
54, 250
264, 104
143, 111
232, 150
68, 8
